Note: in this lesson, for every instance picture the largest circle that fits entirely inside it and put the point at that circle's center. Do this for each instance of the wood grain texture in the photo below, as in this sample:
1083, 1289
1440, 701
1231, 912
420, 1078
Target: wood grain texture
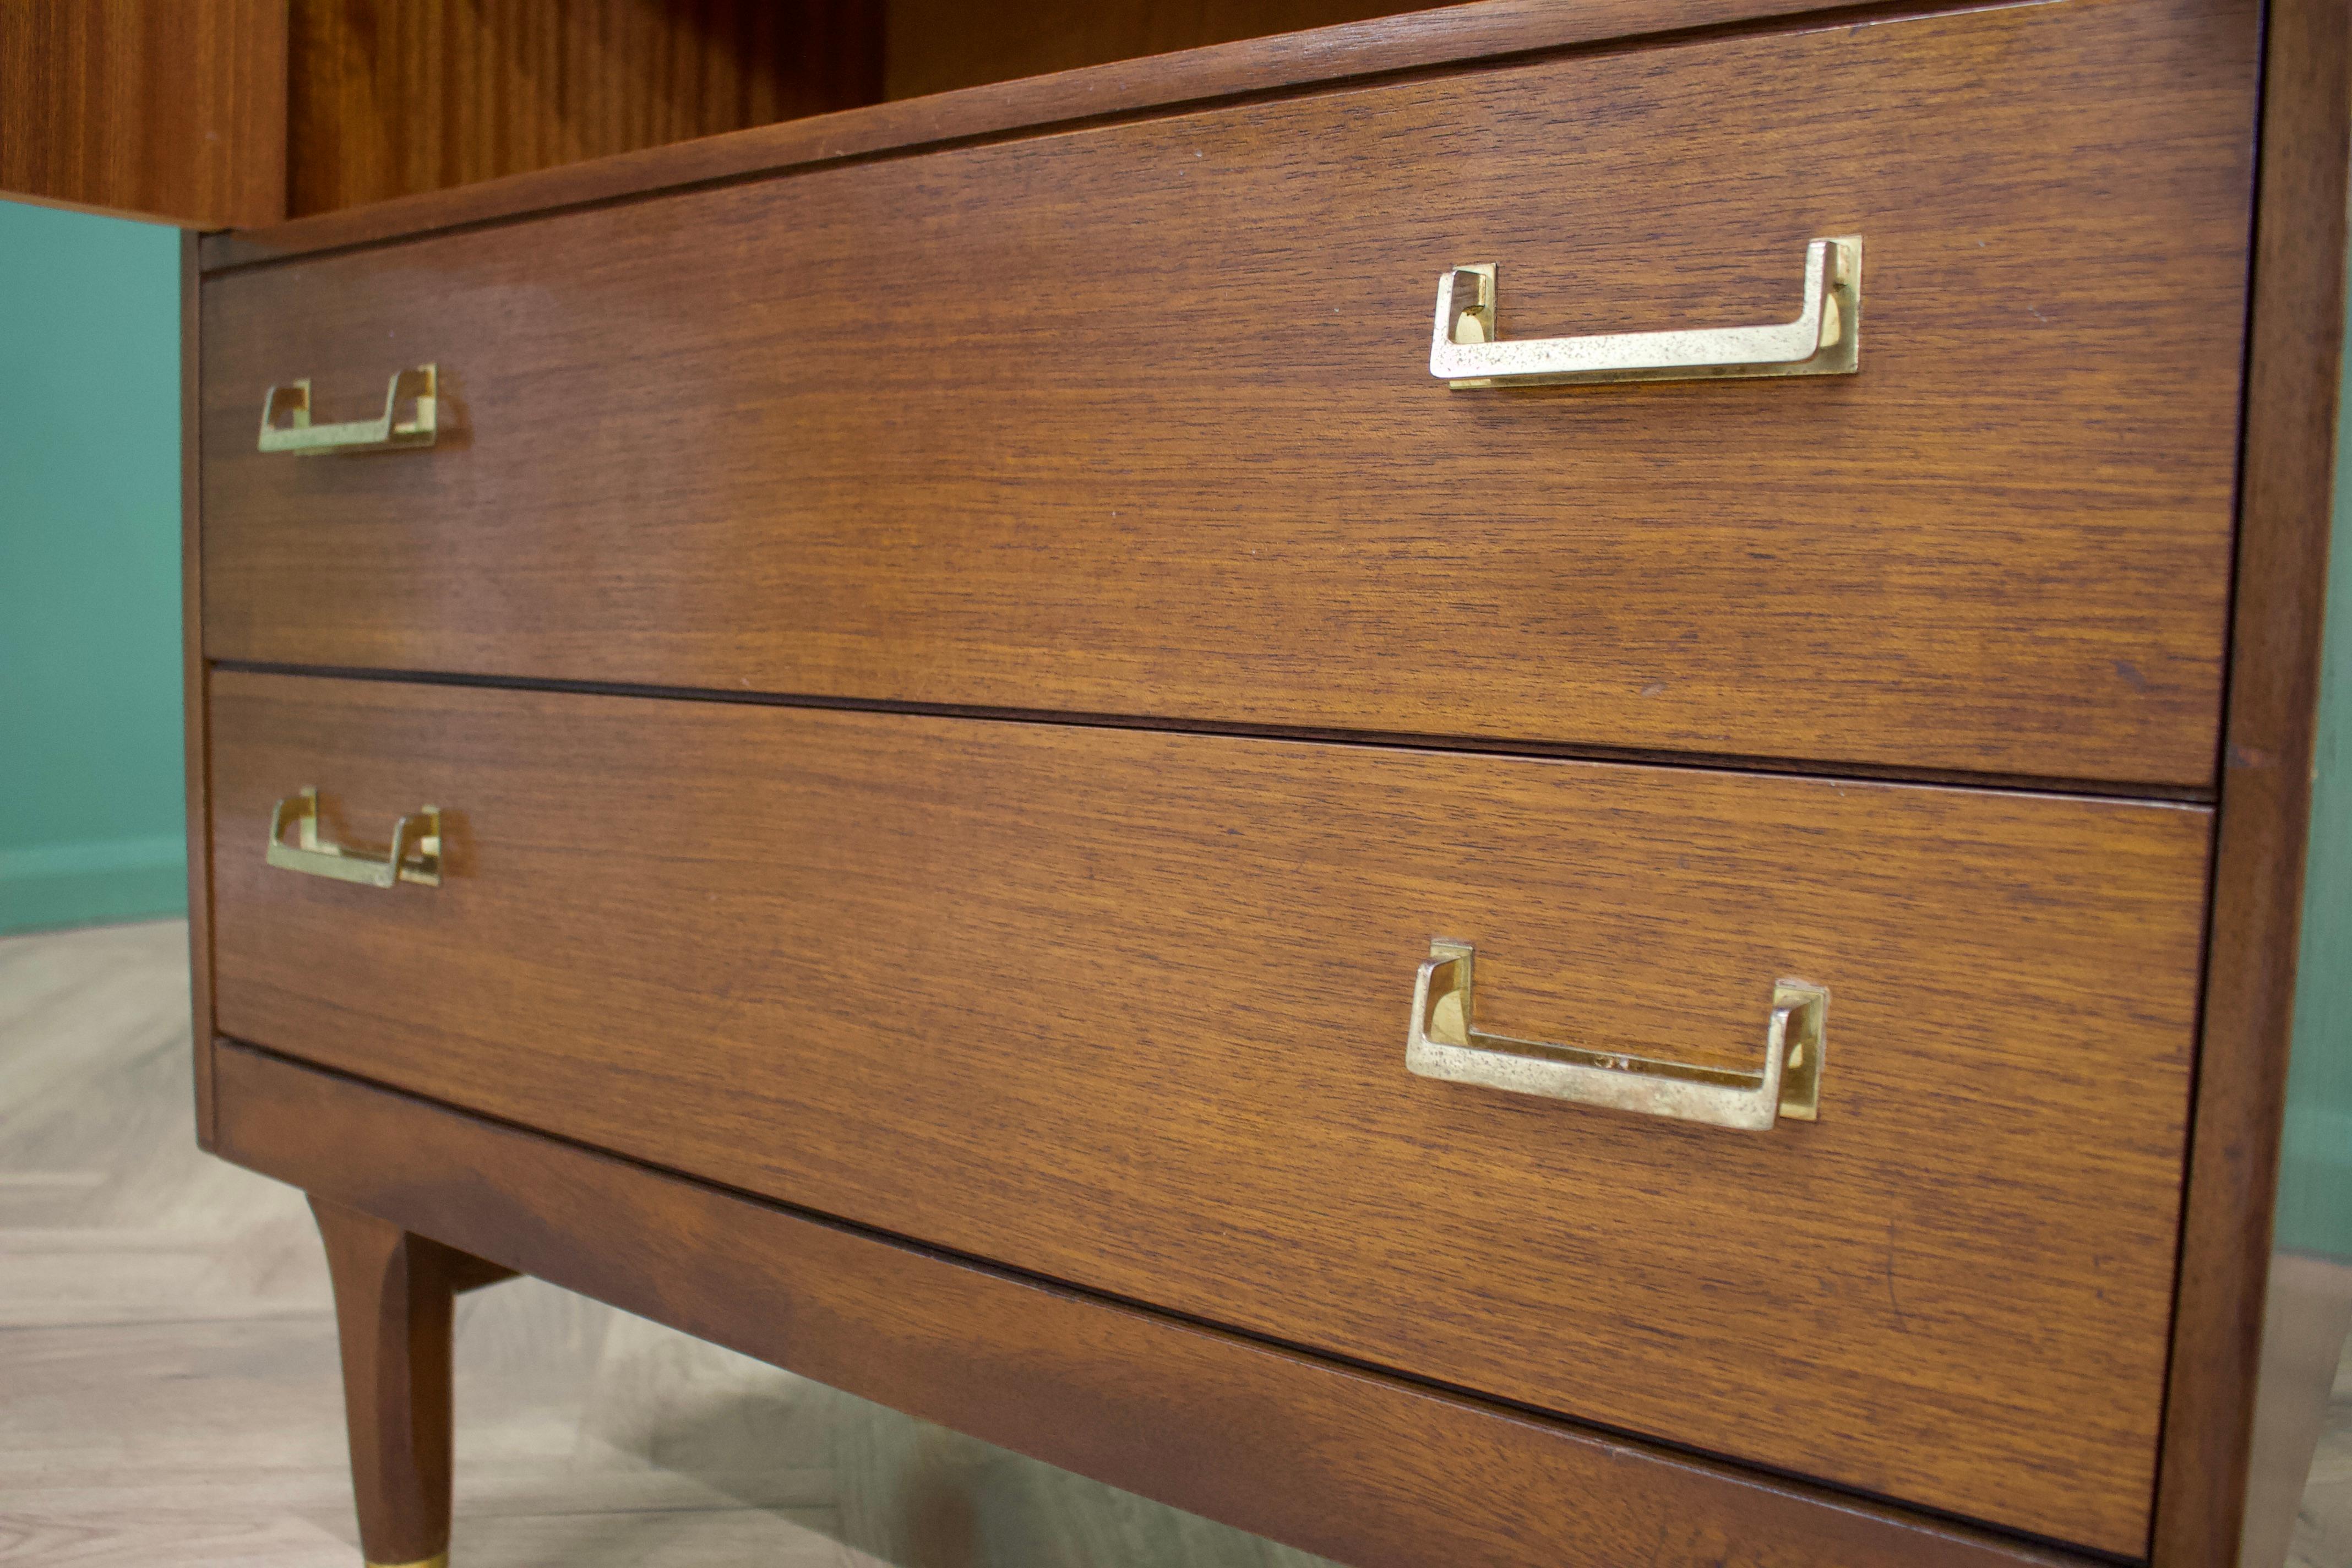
1138, 421
1355, 1465
174, 1392
1128, 1009
176, 111
937, 46
388, 99
195, 729
1421, 41
2294, 367
395, 1295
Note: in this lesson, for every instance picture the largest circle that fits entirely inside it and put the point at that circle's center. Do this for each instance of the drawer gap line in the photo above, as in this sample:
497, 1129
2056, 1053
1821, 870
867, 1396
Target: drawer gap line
1839, 770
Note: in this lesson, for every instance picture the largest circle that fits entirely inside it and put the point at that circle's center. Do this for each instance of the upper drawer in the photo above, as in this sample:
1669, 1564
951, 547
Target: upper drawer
1137, 419
1130, 1009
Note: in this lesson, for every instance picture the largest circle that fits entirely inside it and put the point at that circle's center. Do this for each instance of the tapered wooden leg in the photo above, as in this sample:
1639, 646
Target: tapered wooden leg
392, 1298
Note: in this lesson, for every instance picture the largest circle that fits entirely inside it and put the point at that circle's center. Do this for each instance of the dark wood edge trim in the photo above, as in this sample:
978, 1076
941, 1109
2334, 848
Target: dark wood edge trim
1335, 1459
196, 740
2286, 485
1190, 79
132, 213
468, 1272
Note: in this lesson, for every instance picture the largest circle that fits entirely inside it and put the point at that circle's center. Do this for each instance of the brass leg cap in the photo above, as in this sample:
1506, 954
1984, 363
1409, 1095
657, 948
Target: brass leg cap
438, 1560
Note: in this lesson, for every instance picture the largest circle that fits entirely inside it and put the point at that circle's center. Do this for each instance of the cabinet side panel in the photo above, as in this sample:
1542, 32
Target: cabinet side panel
390, 101
2288, 479
191, 674
177, 111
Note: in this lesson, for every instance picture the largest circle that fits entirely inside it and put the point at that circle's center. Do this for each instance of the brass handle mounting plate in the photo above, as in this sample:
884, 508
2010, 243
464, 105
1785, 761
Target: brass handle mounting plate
414, 856
285, 419
1469, 349
1445, 1044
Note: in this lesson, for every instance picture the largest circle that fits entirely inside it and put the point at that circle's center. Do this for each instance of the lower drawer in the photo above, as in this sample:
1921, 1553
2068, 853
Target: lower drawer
1130, 1009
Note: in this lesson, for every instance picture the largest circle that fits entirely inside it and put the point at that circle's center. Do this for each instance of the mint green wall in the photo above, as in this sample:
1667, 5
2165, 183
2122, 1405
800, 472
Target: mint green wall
2314, 1208
89, 570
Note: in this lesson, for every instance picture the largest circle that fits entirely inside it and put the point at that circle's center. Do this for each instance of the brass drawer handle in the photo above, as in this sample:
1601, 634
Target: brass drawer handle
1443, 1044
1824, 340
292, 403
415, 857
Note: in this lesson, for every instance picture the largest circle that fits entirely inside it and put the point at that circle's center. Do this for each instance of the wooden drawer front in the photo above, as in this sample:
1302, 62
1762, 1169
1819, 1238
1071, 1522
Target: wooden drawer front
1137, 420
1129, 1009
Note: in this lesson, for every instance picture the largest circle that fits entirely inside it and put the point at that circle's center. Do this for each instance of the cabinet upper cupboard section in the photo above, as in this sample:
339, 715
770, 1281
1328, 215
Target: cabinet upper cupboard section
1137, 420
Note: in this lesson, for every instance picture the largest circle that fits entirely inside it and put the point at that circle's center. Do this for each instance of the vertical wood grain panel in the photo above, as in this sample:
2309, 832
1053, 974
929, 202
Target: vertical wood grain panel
937, 45
176, 109
388, 99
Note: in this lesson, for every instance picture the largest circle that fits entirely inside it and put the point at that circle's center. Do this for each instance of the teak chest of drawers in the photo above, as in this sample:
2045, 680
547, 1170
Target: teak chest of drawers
928, 743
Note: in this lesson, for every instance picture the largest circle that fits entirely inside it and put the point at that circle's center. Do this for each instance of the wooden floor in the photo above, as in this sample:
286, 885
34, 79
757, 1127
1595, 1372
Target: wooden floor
168, 1386
2309, 1306
2322, 1528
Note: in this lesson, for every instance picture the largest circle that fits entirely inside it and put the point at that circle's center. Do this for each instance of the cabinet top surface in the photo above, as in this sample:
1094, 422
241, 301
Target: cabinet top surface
1417, 41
